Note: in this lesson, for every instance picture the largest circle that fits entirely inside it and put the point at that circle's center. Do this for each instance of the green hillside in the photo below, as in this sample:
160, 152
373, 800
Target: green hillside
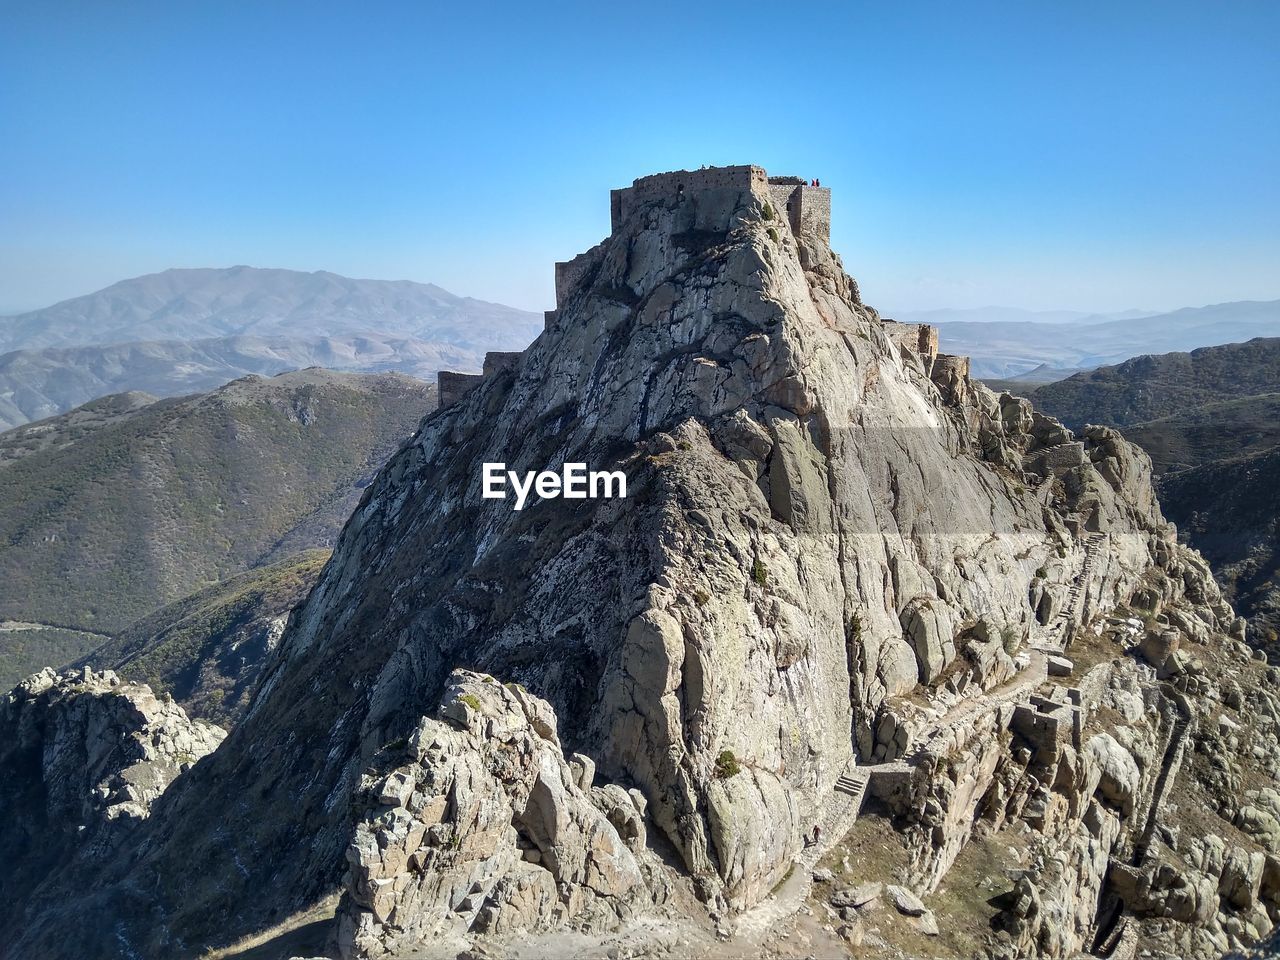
1154, 387
100, 526
1223, 430
208, 649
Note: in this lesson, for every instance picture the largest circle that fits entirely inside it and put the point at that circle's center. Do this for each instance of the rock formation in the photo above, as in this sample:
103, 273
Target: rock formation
486, 826
842, 565
82, 759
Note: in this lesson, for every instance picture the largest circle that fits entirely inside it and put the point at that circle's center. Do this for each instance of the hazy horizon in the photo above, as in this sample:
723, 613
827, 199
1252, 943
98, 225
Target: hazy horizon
1044, 314
1044, 157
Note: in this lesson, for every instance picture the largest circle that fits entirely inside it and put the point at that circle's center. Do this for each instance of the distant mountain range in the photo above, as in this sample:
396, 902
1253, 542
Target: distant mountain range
203, 304
191, 330
1007, 349
1014, 315
185, 331
35, 384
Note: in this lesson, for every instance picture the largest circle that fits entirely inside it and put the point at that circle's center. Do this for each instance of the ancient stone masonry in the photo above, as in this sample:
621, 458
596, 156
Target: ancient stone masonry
1048, 723
675, 186
452, 387
919, 338
807, 209
496, 362
571, 273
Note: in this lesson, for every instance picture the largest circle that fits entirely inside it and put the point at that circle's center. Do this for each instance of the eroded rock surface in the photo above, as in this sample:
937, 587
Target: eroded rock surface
83, 757
484, 825
835, 550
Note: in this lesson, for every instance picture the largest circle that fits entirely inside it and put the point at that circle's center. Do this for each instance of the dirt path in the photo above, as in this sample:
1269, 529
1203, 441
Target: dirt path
16, 626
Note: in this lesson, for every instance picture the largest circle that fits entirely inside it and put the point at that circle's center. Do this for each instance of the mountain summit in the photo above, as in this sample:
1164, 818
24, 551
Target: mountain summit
842, 570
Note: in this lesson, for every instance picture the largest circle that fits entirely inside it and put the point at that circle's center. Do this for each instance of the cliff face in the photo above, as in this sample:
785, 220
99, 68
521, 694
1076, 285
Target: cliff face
813, 528
82, 759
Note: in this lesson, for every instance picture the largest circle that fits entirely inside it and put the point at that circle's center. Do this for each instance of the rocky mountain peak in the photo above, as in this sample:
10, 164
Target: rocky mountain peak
838, 561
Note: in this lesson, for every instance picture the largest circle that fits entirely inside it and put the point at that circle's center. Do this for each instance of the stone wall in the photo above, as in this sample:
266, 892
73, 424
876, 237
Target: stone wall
452, 386
496, 361
660, 185
569, 273
807, 209
1047, 724
814, 214
1060, 459
919, 338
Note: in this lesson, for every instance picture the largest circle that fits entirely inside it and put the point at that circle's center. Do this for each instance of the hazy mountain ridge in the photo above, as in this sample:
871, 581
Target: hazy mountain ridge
993, 314
44, 383
1005, 349
206, 303
184, 331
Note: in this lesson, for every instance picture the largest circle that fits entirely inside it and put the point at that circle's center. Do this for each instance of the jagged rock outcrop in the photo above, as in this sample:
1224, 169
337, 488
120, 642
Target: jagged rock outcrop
828, 553
82, 759
486, 825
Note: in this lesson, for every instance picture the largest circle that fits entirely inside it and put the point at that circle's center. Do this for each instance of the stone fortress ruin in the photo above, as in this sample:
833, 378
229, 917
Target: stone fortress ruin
804, 209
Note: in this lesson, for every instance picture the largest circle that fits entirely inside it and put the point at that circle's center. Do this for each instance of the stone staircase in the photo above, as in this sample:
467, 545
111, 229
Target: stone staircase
1169, 765
1073, 609
1045, 489
837, 816
853, 783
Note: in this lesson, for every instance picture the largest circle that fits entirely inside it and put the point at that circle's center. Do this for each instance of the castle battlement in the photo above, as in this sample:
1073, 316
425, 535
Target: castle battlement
920, 338
452, 386
807, 209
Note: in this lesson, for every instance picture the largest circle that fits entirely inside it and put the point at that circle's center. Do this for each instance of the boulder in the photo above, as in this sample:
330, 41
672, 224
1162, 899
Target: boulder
491, 826
906, 902
928, 626
1241, 877
1119, 775
857, 896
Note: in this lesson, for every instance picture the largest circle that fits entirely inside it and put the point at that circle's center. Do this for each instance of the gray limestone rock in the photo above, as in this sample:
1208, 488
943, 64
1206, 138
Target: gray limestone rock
83, 757
813, 517
905, 902
858, 896
1118, 771
492, 829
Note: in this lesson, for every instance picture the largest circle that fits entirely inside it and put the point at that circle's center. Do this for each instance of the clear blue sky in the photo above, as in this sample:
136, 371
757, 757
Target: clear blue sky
1087, 155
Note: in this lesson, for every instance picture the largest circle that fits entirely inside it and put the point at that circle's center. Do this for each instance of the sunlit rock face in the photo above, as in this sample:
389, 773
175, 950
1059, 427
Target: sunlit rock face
812, 528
